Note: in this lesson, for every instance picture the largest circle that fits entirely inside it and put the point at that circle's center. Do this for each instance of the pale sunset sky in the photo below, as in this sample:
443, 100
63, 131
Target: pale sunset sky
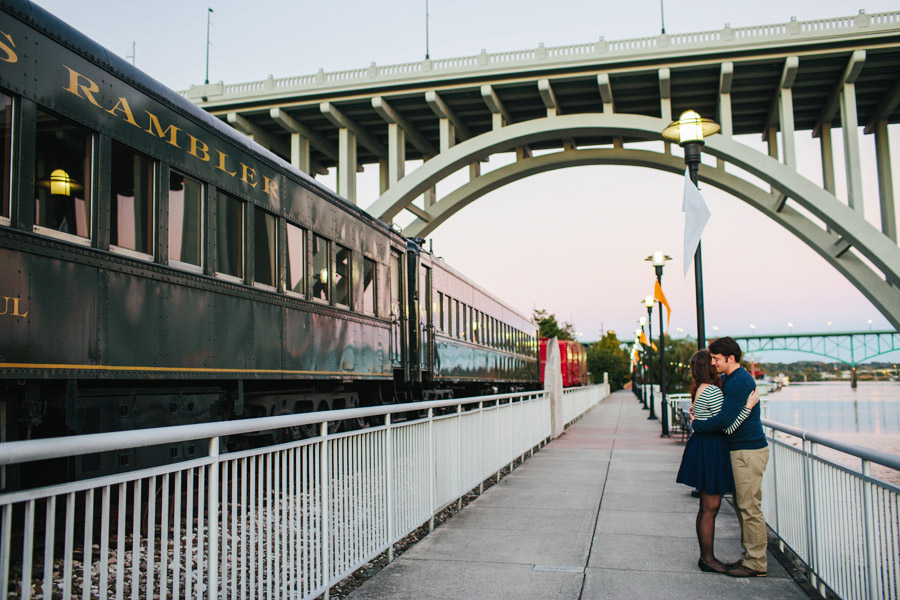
572, 241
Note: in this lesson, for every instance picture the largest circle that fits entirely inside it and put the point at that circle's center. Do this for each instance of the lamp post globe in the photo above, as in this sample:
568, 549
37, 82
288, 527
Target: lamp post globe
689, 131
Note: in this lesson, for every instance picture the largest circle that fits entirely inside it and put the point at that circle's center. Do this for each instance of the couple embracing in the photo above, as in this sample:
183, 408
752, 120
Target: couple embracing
726, 454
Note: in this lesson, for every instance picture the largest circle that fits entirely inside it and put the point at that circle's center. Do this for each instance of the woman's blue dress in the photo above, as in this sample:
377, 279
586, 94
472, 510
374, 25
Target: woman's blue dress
706, 462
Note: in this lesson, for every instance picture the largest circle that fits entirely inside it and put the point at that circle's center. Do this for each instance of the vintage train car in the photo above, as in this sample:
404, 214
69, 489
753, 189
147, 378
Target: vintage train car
158, 268
573, 362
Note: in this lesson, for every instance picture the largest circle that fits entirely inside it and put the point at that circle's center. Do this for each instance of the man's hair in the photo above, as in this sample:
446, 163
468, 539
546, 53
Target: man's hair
726, 346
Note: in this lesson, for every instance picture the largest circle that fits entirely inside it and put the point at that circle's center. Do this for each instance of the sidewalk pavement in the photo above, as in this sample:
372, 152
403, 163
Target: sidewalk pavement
595, 514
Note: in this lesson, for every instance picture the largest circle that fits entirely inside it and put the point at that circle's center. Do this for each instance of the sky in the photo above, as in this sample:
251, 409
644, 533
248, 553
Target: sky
572, 241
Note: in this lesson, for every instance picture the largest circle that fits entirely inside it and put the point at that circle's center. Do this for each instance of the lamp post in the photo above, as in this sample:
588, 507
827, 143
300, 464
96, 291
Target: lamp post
648, 302
689, 131
644, 365
659, 261
636, 350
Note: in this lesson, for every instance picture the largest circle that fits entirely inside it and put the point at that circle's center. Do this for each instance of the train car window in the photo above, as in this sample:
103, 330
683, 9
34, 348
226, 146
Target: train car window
132, 203
464, 321
451, 322
440, 312
229, 236
476, 334
321, 259
448, 327
6, 175
296, 259
62, 179
265, 243
186, 215
368, 297
342, 276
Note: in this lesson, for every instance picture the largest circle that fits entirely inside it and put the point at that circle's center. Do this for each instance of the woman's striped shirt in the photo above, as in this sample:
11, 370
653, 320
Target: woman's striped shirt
709, 403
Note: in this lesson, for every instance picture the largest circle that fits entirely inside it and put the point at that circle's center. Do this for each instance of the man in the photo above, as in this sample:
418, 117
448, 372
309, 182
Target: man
749, 454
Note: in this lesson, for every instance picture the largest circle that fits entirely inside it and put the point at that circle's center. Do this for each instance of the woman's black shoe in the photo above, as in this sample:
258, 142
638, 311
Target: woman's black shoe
706, 568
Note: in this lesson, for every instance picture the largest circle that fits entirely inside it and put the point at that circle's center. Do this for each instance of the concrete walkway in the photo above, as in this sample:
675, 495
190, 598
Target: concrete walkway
596, 514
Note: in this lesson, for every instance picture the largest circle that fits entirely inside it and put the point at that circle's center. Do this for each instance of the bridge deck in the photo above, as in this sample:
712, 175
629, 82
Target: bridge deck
596, 514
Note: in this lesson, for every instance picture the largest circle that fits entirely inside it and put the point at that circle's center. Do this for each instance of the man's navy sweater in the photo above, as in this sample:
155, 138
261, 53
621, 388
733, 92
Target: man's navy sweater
749, 436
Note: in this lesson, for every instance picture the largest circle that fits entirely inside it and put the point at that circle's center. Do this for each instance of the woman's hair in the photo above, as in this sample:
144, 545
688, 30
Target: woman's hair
703, 371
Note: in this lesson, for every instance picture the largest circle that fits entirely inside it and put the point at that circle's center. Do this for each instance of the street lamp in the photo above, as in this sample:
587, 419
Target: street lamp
643, 365
790, 327
658, 259
689, 131
648, 302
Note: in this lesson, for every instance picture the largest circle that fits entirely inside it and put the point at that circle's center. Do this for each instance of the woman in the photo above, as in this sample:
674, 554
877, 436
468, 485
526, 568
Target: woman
706, 463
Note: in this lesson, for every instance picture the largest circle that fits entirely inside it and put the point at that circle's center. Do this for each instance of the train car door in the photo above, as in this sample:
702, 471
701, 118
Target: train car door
398, 315
426, 319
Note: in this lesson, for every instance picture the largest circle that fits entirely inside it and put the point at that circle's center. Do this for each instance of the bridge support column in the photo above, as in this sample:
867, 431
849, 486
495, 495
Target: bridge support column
827, 159
447, 134
786, 122
396, 163
300, 153
849, 124
885, 181
726, 75
346, 183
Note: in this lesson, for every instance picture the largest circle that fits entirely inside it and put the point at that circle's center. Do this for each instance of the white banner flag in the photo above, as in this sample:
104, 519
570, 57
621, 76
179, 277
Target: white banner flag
696, 215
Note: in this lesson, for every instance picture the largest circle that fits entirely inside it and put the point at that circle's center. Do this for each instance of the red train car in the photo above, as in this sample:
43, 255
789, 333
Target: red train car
573, 362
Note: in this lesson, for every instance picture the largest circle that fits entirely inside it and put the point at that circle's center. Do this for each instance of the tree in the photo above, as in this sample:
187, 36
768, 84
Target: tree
549, 327
605, 356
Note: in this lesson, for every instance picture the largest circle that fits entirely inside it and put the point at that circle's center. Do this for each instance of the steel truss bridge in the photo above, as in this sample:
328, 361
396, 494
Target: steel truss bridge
850, 347
591, 103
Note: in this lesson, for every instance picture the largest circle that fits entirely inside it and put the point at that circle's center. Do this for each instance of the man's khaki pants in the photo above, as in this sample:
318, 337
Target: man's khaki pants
748, 467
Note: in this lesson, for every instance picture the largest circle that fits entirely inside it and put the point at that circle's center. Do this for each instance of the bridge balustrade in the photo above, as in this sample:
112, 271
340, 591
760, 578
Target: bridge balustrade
280, 521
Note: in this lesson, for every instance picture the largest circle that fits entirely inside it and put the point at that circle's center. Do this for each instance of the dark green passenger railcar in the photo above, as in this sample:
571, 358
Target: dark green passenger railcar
158, 268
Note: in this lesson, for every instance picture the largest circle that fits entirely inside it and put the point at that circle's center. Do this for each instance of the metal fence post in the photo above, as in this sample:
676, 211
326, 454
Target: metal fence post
459, 458
499, 462
432, 470
807, 503
325, 499
212, 539
389, 485
775, 490
814, 532
870, 530
481, 447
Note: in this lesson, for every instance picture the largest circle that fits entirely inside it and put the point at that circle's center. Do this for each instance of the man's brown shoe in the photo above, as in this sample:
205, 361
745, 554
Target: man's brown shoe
743, 571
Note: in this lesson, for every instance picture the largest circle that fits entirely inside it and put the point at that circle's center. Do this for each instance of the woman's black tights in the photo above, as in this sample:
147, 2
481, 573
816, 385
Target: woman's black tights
706, 528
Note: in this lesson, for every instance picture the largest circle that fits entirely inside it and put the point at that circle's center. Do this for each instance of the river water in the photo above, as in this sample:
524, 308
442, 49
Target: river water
867, 416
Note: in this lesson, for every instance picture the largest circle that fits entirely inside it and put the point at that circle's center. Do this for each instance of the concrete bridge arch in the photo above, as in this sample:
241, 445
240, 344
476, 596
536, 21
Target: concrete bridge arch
844, 227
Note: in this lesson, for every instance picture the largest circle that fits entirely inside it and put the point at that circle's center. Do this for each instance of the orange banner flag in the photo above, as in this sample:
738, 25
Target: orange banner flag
646, 342
658, 295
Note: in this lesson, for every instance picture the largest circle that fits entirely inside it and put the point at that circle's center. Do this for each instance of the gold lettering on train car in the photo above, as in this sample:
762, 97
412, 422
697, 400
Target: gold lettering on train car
11, 55
270, 187
221, 164
171, 130
248, 175
15, 312
201, 146
122, 105
88, 90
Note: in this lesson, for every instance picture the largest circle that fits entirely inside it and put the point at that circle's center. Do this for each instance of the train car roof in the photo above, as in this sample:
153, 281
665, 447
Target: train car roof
439, 260
63, 33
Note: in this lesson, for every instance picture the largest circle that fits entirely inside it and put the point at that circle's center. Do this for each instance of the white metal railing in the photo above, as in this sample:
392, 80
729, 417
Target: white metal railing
841, 521
577, 401
792, 30
285, 521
